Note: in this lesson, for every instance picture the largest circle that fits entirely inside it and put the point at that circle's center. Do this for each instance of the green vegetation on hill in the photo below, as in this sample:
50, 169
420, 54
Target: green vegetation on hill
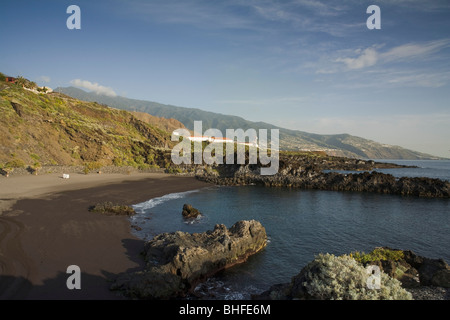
337, 145
54, 129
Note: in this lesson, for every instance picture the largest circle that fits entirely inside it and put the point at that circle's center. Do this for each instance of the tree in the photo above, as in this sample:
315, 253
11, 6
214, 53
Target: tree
21, 81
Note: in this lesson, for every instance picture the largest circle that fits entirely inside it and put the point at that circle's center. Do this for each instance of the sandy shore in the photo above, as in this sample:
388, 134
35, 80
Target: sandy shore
45, 226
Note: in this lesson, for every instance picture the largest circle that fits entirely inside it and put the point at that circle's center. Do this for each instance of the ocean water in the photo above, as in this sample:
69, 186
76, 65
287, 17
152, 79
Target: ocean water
301, 224
439, 169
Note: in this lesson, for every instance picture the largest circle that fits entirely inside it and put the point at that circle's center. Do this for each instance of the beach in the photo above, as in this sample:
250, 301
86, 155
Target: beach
45, 226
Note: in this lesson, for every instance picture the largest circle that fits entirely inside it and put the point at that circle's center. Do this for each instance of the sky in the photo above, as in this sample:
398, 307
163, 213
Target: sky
313, 66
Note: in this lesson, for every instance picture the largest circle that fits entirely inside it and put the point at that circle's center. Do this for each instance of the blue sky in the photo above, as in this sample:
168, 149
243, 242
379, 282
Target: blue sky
300, 64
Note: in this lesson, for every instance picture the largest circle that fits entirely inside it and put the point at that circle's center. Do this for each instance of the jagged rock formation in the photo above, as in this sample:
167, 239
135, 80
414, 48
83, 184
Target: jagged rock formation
176, 262
308, 173
189, 211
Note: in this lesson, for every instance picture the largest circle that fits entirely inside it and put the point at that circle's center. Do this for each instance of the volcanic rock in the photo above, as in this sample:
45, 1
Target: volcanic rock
189, 211
176, 262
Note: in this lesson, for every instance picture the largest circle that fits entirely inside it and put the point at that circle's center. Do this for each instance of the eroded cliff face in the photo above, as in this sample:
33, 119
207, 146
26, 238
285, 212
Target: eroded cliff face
177, 262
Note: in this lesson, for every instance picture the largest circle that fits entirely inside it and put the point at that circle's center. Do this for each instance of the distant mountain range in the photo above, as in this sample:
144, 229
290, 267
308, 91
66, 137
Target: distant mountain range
336, 145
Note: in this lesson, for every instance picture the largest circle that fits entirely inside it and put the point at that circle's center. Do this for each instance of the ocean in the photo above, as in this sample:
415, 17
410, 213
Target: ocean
303, 223
438, 169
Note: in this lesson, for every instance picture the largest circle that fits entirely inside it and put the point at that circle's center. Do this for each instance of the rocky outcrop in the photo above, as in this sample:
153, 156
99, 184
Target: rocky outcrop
177, 262
432, 272
418, 275
189, 211
311, 177
109, 208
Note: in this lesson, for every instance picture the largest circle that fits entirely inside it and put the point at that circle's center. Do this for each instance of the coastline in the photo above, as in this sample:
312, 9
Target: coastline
45, 226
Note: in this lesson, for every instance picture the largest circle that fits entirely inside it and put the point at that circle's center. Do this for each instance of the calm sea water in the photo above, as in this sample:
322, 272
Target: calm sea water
301, 224
439, 169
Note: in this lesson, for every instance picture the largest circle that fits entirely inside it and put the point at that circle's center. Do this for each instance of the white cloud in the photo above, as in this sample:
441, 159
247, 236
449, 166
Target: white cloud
95, 87
415, 50
368, 58
403, 53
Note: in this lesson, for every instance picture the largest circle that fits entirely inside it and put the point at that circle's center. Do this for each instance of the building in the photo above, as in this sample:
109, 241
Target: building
221, 140
10, 79
199, 138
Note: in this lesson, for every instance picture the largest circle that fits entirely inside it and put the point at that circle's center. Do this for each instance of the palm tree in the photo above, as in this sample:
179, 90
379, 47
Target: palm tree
21, 81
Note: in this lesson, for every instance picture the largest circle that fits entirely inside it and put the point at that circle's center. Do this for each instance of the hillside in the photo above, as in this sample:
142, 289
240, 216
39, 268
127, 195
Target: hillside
337, 145
168, 125
38, 129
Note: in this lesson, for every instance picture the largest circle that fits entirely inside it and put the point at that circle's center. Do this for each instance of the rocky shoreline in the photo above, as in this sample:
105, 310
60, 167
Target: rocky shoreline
309, 173
423, 278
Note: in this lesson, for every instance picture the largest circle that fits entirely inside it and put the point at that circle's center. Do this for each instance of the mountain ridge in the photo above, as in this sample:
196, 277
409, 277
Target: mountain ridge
291, 140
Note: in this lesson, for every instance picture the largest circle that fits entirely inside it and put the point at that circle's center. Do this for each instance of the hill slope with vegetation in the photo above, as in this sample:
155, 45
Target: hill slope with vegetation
290, 140
45, 129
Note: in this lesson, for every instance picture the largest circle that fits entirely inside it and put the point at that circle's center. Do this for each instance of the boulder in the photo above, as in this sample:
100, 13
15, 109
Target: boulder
435, 272
189, 211
176, 262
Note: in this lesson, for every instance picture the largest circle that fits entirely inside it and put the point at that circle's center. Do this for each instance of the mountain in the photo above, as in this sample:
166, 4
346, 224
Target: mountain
336, 145
44, 129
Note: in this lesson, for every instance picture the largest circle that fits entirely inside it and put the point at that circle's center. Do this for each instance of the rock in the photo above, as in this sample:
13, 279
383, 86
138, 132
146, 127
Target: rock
435, 272
425, 278
308, 173
177, 262
189, 211
109, 208
441, 278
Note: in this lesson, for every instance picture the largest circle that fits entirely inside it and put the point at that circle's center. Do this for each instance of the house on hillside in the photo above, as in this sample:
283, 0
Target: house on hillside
10, 79
221, 140
199, 138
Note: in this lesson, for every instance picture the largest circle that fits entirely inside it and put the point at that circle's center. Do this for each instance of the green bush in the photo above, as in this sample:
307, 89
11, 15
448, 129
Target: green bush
90, 166
35, 156
330, 277
378, 254
118, 161
15, 163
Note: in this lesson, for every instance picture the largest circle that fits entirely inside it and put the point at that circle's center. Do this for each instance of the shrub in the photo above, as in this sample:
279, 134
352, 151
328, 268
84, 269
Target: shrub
118, 161
15, 163
90, 166
378, 254
329, 277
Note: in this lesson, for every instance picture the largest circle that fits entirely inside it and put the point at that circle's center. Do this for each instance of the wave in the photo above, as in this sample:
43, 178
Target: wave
146, 205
